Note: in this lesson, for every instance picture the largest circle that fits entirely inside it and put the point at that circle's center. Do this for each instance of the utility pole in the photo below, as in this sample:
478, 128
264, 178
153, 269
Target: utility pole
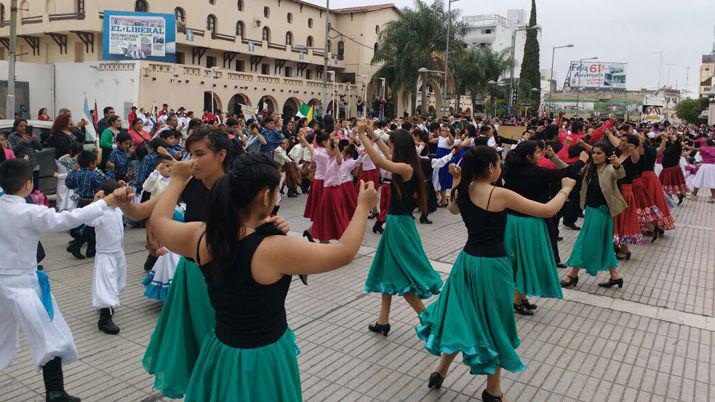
660, 66
325, 58
10, 101
446, 56
667, 79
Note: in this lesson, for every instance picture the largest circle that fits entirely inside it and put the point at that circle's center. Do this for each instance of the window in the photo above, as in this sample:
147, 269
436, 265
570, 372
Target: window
240, 29
180, 14
486, 31
266, 12
265, 69
266, 34
309, 42
141, 6
288, 72
310, 22
239, 5
341, 50
377, 29
211, 23
240, 66
289, 39
308, 74
2, 12
80, 6
180, 58
290, 18
210, 61
212, 2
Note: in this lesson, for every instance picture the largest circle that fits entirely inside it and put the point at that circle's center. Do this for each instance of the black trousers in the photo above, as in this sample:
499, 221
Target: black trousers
552, 225
572, 208
86, 233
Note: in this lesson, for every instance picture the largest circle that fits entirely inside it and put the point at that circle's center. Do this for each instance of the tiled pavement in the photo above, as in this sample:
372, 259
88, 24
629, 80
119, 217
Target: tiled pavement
587, 349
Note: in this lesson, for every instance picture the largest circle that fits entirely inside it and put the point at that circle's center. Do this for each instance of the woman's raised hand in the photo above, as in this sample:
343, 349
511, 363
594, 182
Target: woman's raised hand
368, 195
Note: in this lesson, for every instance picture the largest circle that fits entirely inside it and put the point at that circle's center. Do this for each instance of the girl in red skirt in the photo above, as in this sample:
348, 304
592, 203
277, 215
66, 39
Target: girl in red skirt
626, 227
350, 156
672, 177
369, 171
652, 185
320, 159
330, 217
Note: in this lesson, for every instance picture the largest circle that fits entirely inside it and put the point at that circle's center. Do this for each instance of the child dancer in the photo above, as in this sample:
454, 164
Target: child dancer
400, 266
250, 353
157, 181
110, 265
473, 315
626, 227
705, 177
158, 280
25, 296
330, 217
85, 182
119, 160
653, 186
602, 201
350, 162
320, 161
671, 177
67, 163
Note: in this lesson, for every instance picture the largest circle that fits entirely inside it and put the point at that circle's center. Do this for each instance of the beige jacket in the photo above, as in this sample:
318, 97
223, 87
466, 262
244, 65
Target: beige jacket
608, 178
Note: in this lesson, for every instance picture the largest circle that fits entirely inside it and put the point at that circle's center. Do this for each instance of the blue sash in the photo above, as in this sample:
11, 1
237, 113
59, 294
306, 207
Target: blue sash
45, 295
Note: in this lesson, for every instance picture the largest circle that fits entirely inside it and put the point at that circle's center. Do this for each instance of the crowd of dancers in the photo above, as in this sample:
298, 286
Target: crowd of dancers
221, 262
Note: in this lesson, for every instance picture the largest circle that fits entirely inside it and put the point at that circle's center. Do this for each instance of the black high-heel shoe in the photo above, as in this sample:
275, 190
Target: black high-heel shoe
660, 231
383, 329
308, 236
425, 220
529, 306
654, 235
573, 281
520, 309
487, 397
435, 380
377, 227
611, 283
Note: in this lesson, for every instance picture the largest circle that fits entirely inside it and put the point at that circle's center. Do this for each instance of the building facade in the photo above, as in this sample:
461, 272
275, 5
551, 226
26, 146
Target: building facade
496, 32
229, 53
707, 75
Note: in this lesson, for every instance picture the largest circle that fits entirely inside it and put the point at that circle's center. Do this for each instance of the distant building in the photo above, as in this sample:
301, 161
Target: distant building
707, 74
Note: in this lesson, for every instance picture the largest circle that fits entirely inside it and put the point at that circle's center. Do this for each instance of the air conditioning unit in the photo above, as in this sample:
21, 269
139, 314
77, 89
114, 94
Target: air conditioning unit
257, 21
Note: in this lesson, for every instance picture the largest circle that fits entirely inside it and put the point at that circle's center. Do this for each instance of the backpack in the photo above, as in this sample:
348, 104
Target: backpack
37, 198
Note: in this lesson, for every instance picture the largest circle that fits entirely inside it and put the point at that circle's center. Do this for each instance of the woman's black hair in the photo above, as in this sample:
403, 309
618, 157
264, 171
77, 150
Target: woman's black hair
230, 201
75, 148
217, 140
607, 149
17, 123
633, 139
112, 119
710, 142
517, 159
193, 124
322, 137
348, 148
404, 151
475, 165
424, 137
471, 131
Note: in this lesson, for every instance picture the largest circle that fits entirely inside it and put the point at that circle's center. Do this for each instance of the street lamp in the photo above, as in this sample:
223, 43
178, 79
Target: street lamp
551, 79
513, 46
446, 55
423, 72
578, 86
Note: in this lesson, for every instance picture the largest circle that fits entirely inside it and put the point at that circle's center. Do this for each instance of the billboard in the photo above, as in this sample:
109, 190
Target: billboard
597, 75
139, 36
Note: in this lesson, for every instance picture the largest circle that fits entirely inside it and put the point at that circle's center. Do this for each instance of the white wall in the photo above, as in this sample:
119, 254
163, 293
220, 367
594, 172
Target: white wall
109, 84
39, 77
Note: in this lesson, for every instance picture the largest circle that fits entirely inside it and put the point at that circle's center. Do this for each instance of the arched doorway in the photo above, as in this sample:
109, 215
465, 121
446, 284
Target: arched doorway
212, 102
267, 105
291, 107
234, 104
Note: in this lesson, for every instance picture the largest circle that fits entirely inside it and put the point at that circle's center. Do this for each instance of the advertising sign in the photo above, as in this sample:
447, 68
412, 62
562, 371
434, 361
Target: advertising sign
139, 36
598, 75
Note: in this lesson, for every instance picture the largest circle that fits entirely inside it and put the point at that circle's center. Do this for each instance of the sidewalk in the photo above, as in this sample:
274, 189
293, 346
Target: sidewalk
651, 340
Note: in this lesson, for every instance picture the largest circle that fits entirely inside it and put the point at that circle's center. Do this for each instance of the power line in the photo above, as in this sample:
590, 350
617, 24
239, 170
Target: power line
349, 38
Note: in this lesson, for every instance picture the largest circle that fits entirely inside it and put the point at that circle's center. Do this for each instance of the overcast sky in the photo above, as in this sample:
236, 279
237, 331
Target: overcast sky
613, 30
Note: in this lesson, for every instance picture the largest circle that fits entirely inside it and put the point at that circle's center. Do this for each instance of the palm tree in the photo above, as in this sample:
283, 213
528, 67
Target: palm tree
416, 39
475, 67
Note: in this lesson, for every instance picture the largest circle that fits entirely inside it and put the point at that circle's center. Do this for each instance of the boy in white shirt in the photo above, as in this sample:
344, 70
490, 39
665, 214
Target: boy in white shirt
110, 265
25, 297
155, 184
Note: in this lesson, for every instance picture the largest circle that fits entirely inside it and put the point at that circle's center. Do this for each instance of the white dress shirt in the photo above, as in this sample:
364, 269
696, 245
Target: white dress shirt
280, 156
22, 224
109, 231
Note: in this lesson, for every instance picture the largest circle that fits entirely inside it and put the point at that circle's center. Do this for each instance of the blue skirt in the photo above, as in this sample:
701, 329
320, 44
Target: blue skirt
445, 179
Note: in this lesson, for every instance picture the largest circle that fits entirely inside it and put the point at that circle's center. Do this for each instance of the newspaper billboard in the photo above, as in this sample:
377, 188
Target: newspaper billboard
139, 36
597, 75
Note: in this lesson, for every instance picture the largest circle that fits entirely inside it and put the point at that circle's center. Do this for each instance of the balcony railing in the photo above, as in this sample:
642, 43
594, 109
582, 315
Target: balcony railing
31, 20
219, 36
67, 16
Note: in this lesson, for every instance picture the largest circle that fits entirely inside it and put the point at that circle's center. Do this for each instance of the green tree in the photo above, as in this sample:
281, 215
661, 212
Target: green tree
474, 68
416, 39
689, 110
530, 77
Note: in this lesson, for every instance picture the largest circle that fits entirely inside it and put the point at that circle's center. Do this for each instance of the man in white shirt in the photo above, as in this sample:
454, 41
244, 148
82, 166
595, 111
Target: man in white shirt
292, 177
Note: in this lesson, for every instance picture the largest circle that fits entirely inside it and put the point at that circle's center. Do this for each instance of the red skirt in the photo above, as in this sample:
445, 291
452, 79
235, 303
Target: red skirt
626, 229
648, 212
371, 175
350, 193
673, 181
655, 190
330, 217
385, 194
314, 195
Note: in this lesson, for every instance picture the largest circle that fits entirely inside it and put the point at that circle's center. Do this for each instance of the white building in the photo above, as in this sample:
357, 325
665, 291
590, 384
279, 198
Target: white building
496, 32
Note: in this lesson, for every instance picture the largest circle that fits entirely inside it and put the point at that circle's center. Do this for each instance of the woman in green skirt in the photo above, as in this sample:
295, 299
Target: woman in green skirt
400, 266
474, 314
250, 353
187, 316
526, 237
601, 201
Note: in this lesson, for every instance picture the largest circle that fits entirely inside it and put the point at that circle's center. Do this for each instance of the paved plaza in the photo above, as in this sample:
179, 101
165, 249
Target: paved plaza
653, 340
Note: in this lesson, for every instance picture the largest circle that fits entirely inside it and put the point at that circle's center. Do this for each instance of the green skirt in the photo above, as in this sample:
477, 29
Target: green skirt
400, 265
535, 273
593, 250
185, 320
225, 374
474, 315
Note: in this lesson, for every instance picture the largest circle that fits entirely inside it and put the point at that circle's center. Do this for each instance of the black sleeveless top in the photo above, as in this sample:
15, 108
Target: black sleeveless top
485, 229
248, 314
196, 196
405, 203
650, 155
